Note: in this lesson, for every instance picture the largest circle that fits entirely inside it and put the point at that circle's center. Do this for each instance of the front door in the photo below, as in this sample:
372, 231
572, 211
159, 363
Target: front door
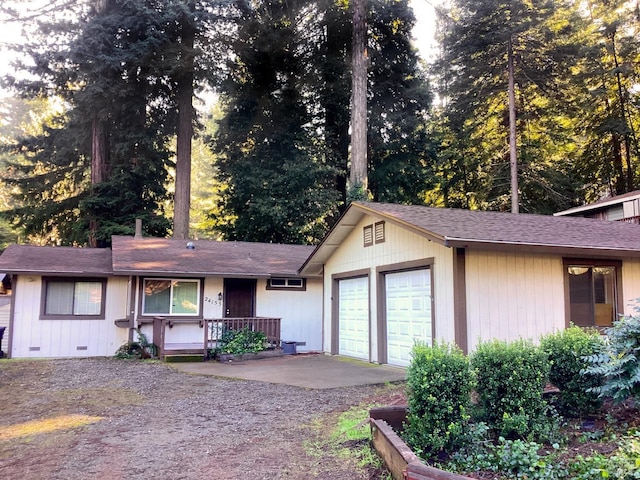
239, 297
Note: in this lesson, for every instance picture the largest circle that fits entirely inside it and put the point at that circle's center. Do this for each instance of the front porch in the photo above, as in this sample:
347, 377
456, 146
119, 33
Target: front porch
211, 333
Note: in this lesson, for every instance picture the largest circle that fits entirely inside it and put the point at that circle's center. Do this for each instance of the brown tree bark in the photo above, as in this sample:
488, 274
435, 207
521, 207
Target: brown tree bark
513, 147
99, 149
358, 174
182, 196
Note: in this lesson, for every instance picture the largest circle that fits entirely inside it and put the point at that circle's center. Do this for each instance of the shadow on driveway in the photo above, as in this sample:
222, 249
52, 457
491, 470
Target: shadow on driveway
316, 371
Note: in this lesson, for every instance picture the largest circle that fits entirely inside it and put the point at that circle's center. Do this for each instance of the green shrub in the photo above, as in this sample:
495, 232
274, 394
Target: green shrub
141, 349
438, 391
619, 361
623, 465
510, 378
242, 341
566, 351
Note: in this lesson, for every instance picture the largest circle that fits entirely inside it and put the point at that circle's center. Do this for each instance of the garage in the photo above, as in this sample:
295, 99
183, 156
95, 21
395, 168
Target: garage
408, 313
353, 317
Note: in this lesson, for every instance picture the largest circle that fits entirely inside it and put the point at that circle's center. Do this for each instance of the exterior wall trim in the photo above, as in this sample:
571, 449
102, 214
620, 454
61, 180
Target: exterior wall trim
335, 305
12, 314
381, 307
460, 300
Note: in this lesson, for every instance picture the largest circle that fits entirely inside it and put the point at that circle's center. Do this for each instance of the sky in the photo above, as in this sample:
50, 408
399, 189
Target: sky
423, 33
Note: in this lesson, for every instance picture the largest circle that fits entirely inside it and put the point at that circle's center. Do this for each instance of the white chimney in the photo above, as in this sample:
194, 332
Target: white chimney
138, 228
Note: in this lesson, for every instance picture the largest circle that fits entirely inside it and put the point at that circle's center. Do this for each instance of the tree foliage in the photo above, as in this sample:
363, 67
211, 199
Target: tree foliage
576, 106
283, 141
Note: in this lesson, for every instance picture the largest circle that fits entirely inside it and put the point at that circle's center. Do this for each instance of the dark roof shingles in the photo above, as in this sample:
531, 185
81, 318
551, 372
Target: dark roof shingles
169, 256
524, 229
56, 260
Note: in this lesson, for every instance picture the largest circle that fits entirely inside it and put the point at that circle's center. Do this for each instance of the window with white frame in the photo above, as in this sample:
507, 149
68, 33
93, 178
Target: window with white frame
73, 298
282, 283
167, 296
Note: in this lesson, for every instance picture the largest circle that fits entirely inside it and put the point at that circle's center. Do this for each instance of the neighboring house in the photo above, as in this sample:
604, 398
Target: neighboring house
394, 274
85, 302
619, 208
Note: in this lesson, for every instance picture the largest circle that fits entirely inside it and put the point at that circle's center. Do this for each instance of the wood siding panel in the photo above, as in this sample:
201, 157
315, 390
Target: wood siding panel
511, 296
400, 246
300, 311
35, 338
630, 286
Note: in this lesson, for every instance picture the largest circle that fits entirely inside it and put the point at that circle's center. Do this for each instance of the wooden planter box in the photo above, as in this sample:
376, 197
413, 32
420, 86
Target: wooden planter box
397, 456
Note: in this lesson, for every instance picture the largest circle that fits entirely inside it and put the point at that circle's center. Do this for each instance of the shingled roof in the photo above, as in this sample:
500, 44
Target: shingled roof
132, 256
56, 260
483, 229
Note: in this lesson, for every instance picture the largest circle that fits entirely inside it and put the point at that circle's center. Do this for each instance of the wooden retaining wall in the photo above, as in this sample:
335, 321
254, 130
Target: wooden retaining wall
397, 456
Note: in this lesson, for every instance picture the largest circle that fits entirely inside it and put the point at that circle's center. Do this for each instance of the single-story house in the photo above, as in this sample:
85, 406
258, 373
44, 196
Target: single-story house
394, 274
70, 301
384, 277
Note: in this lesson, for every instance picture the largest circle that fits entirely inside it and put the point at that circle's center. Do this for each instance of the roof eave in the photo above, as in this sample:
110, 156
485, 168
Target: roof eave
568, 250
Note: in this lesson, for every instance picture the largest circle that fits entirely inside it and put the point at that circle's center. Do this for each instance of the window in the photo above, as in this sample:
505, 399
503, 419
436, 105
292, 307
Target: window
593, 293
73, 298
166, 296
286, 284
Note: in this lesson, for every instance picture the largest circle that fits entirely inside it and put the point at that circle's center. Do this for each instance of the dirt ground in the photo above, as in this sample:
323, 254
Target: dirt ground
120, 419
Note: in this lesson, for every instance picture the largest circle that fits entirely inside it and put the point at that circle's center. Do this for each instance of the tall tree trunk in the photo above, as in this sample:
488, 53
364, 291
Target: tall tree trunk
623, 115
99, 149
182, 198
336, 106
513, 151
358, 175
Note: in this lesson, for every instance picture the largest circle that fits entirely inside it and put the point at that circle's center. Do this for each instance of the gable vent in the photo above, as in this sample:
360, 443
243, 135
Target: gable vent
379, 232
368, 235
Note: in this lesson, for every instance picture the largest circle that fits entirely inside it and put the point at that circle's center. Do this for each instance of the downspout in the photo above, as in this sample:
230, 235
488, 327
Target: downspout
131, 311
12, 312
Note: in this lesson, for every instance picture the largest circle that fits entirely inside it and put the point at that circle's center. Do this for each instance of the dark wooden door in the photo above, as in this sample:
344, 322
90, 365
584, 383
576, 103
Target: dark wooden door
239, 297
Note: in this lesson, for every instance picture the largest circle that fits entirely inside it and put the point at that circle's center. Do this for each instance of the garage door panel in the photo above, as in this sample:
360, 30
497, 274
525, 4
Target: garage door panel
408, 313
353, 317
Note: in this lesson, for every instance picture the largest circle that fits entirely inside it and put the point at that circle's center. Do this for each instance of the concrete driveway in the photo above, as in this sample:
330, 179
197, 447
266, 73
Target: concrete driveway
317, 371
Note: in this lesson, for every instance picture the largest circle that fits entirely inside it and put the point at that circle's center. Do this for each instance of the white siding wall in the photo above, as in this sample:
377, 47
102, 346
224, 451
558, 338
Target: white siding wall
400, 245
301, 312
61, 338
511, 296
631, 286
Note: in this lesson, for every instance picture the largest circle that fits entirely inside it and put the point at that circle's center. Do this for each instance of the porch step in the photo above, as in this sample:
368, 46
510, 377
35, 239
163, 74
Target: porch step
183, 357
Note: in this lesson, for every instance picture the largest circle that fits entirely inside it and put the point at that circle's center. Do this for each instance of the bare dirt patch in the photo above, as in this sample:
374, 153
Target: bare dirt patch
158, 423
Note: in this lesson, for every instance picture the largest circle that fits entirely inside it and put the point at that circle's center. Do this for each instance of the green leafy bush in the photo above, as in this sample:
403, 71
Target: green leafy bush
623, 465
438, 392
510, 379
141, 349
242, 341
618, 361
566, 351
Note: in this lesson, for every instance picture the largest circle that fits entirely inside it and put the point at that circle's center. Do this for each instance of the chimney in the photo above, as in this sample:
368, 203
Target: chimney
138, 228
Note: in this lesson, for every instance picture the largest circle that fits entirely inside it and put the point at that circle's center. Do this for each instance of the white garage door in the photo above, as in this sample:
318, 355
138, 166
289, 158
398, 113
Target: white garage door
408, 299
353, 317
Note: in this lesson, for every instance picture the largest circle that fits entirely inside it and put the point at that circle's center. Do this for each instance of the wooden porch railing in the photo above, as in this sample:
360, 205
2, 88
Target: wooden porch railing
267, 325
212, 333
